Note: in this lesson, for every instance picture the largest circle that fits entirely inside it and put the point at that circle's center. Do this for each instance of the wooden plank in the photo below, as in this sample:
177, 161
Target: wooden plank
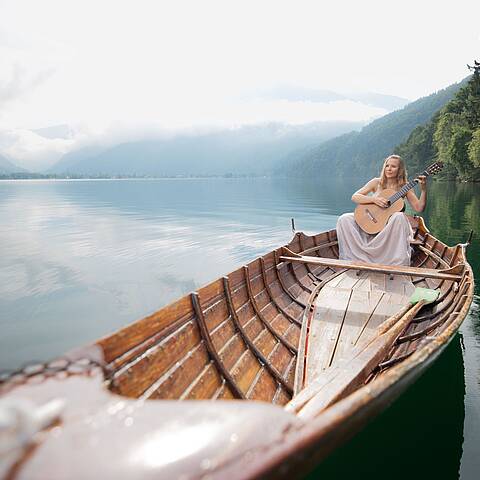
447, 274
135, 377
180, 376
204, 385
245, 370
324, 329
263, 388
361, 309
223, 333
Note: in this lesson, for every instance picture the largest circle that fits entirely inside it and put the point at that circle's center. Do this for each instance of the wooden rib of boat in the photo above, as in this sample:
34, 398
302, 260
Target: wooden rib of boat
306, 349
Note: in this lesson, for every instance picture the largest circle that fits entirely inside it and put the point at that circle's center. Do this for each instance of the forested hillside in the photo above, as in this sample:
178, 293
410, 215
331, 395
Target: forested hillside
249, 149
452, 136
362, 152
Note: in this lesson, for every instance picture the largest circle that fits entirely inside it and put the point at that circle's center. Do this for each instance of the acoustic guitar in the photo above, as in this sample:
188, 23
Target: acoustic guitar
371, 218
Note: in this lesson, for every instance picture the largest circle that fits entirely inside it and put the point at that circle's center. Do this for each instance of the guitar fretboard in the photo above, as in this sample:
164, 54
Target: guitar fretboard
405, 189
402, 192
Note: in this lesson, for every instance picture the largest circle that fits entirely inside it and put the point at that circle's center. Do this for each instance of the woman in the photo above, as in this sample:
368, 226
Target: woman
392, 245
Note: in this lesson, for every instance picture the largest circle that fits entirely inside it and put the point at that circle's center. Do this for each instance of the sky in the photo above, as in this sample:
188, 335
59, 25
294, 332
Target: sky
122, 68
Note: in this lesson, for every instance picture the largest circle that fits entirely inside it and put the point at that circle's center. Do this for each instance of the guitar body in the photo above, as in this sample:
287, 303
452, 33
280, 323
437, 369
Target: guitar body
371, 218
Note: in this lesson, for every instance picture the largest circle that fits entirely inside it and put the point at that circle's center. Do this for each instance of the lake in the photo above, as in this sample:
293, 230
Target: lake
80, 259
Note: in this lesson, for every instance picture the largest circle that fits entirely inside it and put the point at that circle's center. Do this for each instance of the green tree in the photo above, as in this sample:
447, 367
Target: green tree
474, 148
458, 149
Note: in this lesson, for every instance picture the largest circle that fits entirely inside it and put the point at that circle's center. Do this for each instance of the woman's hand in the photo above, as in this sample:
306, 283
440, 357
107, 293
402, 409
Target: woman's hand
380, 201
422, 180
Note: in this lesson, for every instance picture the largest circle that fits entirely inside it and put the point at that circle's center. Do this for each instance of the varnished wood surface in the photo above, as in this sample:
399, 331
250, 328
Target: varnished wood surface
245, 342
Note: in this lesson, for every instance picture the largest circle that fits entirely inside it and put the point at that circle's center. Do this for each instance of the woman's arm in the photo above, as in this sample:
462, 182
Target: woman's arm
418, 204
361, 195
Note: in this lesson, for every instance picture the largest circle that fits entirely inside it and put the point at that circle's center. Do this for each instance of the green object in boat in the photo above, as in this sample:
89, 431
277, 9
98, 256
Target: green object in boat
426, 294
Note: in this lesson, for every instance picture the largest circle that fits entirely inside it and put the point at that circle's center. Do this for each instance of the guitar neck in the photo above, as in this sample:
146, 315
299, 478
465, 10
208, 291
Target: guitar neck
405, 189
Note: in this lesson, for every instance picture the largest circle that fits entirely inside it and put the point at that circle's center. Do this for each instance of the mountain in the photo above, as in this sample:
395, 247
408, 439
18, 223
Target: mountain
361, 153
7, 167
245, 150
67, 163
452, 136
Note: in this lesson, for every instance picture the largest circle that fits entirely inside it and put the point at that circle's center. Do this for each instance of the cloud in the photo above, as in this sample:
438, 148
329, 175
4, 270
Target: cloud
34, 152
20, 81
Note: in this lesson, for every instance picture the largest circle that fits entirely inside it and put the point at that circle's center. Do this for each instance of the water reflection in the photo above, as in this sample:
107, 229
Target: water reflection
83, 258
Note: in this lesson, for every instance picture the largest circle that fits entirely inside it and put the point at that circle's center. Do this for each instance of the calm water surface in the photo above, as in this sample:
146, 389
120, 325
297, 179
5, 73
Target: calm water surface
80, 259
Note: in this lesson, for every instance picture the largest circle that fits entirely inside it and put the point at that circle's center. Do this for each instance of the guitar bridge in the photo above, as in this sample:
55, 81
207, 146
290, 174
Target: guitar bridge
369, 213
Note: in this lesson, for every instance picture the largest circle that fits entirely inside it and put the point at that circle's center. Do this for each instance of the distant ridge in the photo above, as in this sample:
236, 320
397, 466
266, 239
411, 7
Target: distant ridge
360, 153
253, 149
7, 167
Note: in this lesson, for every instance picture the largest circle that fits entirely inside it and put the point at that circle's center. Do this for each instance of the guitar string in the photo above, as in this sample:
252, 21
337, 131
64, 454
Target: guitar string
405, 189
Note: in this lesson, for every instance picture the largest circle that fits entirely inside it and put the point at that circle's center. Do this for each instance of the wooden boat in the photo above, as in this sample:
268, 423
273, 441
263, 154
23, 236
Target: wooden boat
305, 348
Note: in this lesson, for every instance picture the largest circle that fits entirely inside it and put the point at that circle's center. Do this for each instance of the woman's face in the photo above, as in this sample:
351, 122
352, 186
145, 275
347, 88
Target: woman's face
391, 168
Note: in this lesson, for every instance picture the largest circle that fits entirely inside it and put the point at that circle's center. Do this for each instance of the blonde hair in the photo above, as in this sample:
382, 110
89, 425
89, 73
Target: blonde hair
401, 175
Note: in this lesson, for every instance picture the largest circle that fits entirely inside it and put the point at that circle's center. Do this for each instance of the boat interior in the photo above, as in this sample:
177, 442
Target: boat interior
282, 328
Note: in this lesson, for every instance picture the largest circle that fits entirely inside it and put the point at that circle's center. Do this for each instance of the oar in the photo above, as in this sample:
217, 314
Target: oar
345, 377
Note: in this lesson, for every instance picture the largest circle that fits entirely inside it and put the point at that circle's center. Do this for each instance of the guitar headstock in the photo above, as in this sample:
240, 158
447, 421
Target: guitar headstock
433, 168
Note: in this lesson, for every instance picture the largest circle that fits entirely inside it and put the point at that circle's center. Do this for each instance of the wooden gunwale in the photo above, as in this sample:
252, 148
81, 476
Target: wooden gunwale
261, 358
282, 283
260, 315
272, 297
211, 348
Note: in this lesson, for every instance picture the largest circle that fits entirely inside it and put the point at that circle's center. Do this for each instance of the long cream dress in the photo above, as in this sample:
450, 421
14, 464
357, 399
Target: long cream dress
389, 247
